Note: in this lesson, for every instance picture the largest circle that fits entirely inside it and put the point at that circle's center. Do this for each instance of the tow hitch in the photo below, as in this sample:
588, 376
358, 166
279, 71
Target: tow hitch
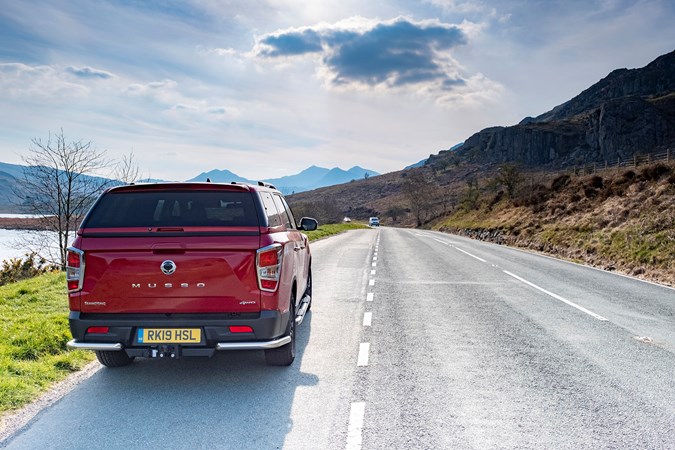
164, 351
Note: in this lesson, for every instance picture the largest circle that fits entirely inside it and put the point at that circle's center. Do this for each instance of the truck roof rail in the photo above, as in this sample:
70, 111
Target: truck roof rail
268, 185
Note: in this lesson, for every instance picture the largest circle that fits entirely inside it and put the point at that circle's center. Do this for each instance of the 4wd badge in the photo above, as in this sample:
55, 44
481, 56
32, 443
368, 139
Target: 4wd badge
168, 267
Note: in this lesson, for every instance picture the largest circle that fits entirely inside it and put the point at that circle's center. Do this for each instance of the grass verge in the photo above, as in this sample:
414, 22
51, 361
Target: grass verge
33, 335
331, 229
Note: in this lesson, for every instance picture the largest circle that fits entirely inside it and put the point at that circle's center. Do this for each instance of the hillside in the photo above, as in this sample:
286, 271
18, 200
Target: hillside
619, 219
627, 112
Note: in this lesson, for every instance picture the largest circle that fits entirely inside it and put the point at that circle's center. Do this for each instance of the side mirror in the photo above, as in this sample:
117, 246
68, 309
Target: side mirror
308, 224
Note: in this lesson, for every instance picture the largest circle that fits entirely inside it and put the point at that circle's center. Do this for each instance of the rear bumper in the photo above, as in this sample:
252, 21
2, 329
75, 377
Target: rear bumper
252, 345
268, 328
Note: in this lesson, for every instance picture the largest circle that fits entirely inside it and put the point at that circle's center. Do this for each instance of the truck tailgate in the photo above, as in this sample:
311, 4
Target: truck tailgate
193, 274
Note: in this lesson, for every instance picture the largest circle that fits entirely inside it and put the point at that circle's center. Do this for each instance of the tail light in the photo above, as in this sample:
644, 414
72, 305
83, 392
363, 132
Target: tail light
98, 330
268, 265
74, 269
240, 329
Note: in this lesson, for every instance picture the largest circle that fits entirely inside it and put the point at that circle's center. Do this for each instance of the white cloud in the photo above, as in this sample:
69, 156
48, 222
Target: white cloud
89, 73
369, 55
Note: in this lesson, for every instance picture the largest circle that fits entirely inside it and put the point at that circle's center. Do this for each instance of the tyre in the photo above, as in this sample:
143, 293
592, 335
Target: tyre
284, 355
308, 289
114, 359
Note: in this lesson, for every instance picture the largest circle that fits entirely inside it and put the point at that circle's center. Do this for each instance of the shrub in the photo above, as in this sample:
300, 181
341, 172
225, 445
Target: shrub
596, 182
536, 195
654, 172
560, 182
16, 269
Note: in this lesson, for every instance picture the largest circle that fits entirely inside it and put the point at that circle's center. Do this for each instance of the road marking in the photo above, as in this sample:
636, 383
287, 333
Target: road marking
362, 360
369, 297
374, 258
371, 283
473, 256
557, 297
375, 254
355, 430
367, 319
372, 272
374, 264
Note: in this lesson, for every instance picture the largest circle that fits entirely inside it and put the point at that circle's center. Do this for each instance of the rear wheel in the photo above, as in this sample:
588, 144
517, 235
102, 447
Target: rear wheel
284, 355
113, 359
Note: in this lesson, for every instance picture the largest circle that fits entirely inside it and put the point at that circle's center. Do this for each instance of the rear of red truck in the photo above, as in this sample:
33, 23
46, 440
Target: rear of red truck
185, 269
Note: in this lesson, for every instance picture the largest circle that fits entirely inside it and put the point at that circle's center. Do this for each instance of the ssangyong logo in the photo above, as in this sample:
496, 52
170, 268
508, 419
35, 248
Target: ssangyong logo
168, 267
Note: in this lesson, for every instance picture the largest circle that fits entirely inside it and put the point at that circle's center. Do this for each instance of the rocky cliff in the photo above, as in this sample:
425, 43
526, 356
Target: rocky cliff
626, 113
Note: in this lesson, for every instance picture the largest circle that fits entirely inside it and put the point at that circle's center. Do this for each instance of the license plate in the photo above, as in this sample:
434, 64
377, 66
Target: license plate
169, 335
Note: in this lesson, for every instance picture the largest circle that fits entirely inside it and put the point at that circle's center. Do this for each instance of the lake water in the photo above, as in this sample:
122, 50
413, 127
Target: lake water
19, 216
10, 242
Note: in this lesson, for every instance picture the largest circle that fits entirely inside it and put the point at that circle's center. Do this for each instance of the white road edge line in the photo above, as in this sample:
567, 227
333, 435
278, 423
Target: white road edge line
364, 349
369, 297
367, 319
355, 427
557, 297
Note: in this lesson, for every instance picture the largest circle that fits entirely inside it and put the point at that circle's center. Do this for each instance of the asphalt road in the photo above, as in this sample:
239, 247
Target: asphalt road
416, 340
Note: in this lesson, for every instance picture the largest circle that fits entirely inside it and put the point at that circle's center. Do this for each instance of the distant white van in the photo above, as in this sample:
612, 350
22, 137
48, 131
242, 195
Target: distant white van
374, 222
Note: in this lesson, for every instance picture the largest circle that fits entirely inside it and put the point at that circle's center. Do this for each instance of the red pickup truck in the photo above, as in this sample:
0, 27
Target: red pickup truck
184, 269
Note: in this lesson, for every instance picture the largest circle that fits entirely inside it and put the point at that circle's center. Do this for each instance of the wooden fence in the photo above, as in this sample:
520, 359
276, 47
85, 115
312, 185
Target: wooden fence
637, 160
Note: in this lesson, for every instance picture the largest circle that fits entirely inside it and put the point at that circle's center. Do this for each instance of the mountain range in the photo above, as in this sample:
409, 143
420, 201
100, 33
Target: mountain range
311, 178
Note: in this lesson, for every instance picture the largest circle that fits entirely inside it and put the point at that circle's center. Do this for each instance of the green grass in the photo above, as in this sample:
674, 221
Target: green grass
33, 335
331, 229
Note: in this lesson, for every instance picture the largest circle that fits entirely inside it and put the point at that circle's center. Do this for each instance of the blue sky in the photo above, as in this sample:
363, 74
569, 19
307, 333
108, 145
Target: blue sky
266, 88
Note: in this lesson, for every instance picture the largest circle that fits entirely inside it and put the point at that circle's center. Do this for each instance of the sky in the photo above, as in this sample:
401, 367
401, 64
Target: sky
266, 88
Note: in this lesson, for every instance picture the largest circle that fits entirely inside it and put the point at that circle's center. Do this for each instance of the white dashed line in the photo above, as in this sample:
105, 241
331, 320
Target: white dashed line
457, 248
374, 258
355, 430
557, 297
364, 349
371, 283
369, 297
367, 319
374, 264
473, 256
372, 272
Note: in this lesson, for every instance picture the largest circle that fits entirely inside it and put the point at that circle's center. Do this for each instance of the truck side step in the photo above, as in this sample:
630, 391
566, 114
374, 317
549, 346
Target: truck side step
304, 305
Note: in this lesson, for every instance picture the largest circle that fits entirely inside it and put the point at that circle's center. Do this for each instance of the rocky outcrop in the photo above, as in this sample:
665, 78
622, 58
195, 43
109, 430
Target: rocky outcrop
654, 80
629, 112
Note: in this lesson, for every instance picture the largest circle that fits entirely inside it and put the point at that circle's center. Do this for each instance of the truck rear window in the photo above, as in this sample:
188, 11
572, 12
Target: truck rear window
174, 209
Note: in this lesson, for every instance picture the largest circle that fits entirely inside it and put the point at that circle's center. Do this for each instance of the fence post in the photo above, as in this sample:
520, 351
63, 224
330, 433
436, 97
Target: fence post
649, 158
634, 160
668, 155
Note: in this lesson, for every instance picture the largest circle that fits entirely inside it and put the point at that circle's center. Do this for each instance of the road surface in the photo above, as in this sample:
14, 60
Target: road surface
416, 340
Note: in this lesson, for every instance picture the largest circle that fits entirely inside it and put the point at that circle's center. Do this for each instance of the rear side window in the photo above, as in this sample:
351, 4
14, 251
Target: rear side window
282, 211
273, 216
173, 208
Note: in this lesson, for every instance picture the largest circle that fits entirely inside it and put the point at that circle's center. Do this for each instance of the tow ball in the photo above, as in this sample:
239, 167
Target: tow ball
165, 351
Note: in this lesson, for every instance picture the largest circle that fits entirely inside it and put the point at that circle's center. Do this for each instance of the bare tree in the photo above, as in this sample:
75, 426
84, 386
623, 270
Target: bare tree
418, 190
61, 181
510, 177
471, 195
126, 171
